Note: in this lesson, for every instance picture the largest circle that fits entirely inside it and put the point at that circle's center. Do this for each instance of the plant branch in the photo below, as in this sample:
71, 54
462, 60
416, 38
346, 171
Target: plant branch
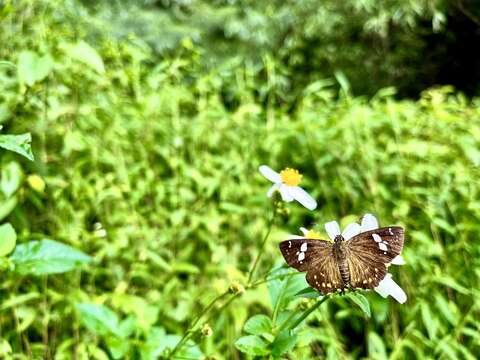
262, 246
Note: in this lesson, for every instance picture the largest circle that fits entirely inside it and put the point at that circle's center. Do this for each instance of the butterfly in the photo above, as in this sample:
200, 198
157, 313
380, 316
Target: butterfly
355, 260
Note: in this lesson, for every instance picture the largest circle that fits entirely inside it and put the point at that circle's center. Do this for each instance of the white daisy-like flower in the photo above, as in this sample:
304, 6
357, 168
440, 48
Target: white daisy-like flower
389, 287
286, 182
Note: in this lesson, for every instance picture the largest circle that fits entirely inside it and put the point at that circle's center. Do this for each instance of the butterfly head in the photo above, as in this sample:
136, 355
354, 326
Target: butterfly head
338, 239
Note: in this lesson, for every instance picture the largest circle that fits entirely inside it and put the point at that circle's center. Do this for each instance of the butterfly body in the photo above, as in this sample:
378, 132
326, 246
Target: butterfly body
341, 259
359, 262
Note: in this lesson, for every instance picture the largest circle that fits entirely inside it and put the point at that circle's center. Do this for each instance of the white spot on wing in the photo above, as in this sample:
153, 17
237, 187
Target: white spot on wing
382, 246
301, 256
377, 238
304, 247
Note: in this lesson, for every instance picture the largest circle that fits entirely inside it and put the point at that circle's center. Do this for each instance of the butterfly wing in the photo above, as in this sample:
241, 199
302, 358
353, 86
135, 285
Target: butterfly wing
370, 253
317, 259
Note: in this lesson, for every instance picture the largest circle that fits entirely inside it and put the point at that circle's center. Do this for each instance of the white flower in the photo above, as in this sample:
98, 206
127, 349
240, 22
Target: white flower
286, 182
389, 287
333, 230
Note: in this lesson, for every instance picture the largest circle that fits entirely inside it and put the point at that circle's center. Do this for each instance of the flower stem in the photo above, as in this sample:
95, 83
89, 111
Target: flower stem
191, 328
195, 322
303, 316
262, 246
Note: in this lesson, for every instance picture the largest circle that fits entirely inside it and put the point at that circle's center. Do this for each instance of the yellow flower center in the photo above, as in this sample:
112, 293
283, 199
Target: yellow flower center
290, 177
313, 235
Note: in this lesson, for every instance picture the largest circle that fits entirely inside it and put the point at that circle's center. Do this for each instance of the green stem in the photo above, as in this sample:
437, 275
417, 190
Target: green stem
195, 322
190, 331
262, 246
303, 316
267, 279
220, 309
191, 328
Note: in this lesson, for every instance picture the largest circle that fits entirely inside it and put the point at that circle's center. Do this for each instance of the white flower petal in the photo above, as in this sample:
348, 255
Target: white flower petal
398, 260
303, 197
388, 287
270, 174
369, 222
272, 189
351, 230
332, 229
285, 192
304, 231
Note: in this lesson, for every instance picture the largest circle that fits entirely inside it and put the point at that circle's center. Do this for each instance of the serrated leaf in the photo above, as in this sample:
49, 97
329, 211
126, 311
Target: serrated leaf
87, 55
21, 144
361, 301
46, 257
8, 238
258, 324
252, 345
99, 319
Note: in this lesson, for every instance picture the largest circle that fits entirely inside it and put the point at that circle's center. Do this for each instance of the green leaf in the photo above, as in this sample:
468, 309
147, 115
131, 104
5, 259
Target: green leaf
5, 348
8, 238
252, 345
87, 55
258, 325
429, 321
26, 316
284, 342
117, 347
17, 300
46, 257
11, 176
99, 319
309, 293
158, 342
283, 290
18, 143
376, 347
33, 68
7, 206
362, 302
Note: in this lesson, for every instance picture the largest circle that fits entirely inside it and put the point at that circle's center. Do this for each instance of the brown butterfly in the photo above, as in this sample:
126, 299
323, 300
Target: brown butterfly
357, 259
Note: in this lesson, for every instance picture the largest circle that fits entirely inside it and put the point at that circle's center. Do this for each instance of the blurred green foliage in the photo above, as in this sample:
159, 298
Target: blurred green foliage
147, 161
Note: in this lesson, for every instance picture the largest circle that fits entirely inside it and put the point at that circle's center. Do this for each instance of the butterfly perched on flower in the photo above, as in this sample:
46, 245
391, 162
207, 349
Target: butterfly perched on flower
358, 258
